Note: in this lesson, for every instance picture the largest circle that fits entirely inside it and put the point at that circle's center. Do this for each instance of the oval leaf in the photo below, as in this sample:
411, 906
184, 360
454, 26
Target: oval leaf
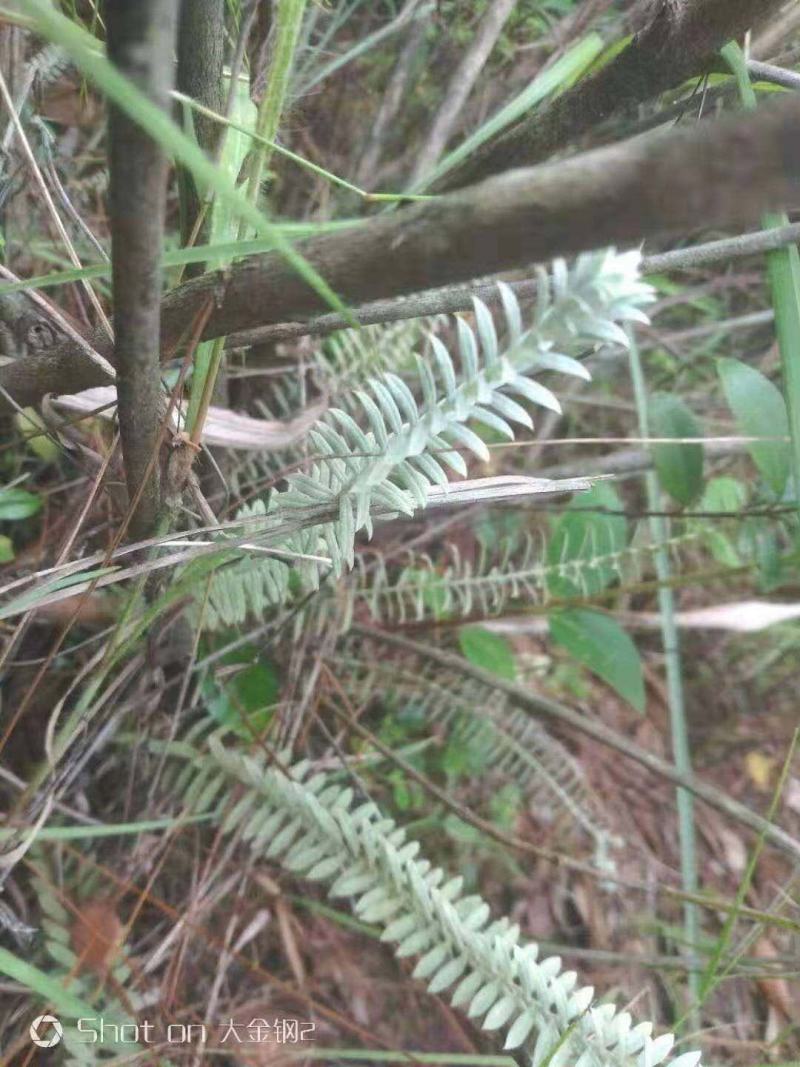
18, 504
760, 411
599, 643
679, 467
488, 650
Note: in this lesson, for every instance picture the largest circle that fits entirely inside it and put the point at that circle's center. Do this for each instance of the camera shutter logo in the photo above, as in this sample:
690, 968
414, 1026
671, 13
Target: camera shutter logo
41, 1036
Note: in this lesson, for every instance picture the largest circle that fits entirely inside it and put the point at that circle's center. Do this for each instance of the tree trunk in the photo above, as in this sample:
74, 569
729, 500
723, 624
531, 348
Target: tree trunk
141, 40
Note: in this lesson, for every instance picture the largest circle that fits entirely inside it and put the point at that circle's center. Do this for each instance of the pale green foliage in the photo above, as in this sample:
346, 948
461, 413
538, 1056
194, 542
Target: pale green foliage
245, 587
515, 747
95, 990
349, 358
513, 572
389, 467
310, 824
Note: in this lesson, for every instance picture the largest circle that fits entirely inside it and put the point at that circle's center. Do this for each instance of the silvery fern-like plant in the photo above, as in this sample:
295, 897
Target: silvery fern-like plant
389, 466
516, 747
393, 464
310, 824
510, 572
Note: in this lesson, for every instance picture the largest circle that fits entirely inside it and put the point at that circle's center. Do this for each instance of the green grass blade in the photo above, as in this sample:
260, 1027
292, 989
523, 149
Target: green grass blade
659, 529
554, 80
288, 21
49, 989
83, 50
223, 229
179, 257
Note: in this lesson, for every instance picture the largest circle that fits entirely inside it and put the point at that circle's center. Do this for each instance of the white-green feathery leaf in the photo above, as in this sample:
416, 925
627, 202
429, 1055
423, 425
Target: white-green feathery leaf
484, 964
392, 461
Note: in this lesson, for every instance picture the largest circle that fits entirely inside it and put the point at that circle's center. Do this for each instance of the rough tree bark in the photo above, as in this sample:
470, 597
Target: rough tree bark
141, 41
679, 42
709, 175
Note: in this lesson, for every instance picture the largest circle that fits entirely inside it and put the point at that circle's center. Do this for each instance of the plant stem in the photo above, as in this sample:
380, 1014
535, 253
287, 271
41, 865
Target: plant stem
659, 531
289, 19
783, 267
201, 40
209, 356
140, 44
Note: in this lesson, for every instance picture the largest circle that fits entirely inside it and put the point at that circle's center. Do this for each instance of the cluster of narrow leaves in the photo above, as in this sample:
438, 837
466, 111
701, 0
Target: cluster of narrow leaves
516, 571
389, 466
310, 824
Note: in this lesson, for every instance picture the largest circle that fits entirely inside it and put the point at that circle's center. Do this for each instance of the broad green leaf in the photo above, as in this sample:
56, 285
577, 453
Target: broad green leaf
584, 543
6, 549
783, 269
599, 643
727, 496
724, 494
16, 504
244, 699
680, 466
760, 541
488, 650
760, 411
28, 422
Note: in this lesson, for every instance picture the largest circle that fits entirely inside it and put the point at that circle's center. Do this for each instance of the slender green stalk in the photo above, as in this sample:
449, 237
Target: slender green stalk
313, 168
83, 49
209, 356
222, 228
659, 529
715, 973
783, 268
289, 19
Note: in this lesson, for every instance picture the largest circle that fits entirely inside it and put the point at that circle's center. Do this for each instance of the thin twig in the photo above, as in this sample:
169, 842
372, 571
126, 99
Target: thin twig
140, 42
460, 86
27, 151
539, 706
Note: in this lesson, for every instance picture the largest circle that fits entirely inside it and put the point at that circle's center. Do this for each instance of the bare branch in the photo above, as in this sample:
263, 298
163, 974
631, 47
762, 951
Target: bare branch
141, 39
460, 86
711, 175
679, 42
201, 40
